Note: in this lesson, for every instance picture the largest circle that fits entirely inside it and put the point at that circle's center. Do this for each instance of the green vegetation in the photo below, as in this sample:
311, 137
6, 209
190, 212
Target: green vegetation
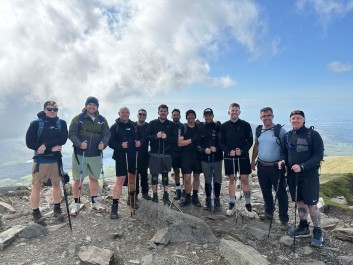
340, 186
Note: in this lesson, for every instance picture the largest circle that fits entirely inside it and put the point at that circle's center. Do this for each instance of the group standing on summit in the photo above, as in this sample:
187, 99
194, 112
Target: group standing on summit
282, 158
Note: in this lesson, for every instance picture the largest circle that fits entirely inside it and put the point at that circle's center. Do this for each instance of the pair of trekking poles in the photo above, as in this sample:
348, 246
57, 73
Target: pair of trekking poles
132, 193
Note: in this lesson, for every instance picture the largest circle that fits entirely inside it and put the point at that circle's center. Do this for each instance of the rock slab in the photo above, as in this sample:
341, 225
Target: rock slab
8, 236
236, 253
95, 255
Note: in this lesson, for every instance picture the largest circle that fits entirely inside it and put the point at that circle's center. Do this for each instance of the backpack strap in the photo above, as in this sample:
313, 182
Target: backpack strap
258, 131
40, 128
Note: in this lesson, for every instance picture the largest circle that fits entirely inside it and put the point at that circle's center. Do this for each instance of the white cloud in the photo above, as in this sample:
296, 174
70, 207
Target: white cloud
326, 10
337, 66
68, 50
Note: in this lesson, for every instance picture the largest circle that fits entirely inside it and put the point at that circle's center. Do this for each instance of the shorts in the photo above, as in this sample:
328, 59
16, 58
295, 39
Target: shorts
191, 163
120, 165
91, 166
46, 171
176, 161
159, 163
244, 163
308, 188
212, 167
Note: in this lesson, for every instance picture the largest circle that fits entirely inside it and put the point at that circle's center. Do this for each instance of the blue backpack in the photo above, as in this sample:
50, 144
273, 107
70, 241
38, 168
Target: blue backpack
41, 126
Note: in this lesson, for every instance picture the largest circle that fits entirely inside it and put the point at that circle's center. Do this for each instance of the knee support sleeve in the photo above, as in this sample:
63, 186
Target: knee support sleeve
154, 179
165, 178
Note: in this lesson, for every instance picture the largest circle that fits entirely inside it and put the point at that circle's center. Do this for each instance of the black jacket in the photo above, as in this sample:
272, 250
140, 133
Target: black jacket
305, 148
210, 136
236, 135
144, 142
156, 145
50, 136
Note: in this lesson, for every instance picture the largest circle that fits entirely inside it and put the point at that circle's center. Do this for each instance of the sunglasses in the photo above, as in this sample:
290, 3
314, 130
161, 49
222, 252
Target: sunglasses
142, 114
52, 109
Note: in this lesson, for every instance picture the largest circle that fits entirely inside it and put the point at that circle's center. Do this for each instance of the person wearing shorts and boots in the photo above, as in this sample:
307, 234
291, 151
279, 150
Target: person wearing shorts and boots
237, 139
89, 133
191, 161
162, 135
304, 150
46, 136
268, 150
177, 157
211, 159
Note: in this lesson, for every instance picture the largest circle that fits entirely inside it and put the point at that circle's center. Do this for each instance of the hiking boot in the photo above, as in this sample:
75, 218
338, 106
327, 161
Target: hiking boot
146, 196
166, 198
318, 240
248, 211
301, 231
75, 208
185, 200
177, 194
217, 204
114, 211
266, 216
155, 197
284, 226
99, 208
195, 200
231, 209
208, 204
57, 211
38, 218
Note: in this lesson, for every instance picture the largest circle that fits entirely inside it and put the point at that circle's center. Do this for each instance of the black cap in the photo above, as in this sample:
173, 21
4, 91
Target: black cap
297, 112
93, 100
190, 111
49, 102
208, 111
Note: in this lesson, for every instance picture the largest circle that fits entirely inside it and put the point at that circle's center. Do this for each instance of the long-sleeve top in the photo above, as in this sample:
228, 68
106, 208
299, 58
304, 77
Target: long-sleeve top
209, 134
156, 145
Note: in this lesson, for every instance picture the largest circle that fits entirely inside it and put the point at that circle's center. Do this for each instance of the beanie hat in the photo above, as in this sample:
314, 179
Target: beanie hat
190, 111
93, 100
297, 112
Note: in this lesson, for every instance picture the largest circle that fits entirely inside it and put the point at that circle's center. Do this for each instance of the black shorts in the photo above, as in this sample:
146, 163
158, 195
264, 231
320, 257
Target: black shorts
244, 163
191, 163
159, 163
176, 161
308, 188
121, 165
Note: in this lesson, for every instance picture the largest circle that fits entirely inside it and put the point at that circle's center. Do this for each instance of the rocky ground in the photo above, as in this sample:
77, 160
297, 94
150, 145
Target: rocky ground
132, 240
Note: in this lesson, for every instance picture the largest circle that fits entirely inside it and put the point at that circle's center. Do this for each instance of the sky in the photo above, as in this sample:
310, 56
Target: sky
186, 54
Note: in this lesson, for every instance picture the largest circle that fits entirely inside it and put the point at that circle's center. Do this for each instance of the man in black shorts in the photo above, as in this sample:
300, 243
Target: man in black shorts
236, 140
162, 135
191, 161
176, 156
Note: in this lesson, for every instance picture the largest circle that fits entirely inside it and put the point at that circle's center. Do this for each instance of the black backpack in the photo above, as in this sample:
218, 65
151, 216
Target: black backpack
276, 131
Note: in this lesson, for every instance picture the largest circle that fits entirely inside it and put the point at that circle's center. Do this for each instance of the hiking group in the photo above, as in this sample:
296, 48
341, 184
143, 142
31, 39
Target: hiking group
282, 158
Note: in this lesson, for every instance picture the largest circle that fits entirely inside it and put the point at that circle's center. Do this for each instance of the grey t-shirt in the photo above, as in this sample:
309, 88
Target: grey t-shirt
269, 145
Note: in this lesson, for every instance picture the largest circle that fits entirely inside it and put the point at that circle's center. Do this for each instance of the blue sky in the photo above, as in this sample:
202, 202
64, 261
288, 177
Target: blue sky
187, 54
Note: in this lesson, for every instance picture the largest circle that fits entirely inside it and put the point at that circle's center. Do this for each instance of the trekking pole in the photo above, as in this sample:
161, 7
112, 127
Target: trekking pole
235, 184
66, 200
240, 185
274, 204
295, 208
102, 173
135, 180
128, 182
81, 175
212, 171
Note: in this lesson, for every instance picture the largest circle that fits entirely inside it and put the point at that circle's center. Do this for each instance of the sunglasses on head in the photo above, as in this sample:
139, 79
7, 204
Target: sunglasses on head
52, 109
142, 114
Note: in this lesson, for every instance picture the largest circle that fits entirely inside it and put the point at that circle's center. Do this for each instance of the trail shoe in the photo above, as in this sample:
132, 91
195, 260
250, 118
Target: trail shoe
177, 194
318, 240
284, 226
185, 200
114, 211
217, 204
208, 204
155, 197
146, 196
248, 210
231, 209
38, 218
195, 200
58, 213
166, 198
75, 208
301, 231
99, 208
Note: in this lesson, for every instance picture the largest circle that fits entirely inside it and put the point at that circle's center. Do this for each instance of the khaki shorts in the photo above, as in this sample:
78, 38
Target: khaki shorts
91, 167
46, 171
